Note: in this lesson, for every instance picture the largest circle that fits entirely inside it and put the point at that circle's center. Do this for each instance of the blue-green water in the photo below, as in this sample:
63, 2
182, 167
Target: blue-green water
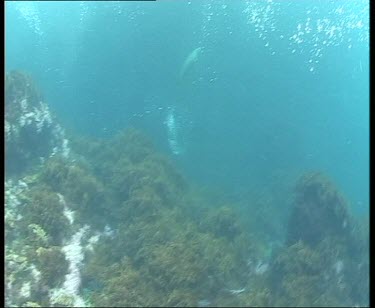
280, 86
243, 97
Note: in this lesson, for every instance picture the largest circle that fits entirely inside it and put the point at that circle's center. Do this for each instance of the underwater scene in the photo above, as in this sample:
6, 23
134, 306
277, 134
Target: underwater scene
203, 153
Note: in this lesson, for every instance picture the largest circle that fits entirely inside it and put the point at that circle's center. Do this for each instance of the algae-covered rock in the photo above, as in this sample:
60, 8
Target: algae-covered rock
319, 211
54, 265
31, 130
319, 264
44, 209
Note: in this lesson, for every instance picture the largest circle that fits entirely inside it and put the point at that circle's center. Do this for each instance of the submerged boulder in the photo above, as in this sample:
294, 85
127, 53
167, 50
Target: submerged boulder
319, 211
325, 258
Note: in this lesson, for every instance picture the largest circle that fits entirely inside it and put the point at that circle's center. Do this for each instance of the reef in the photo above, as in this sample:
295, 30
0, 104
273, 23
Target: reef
114, 223
32, 132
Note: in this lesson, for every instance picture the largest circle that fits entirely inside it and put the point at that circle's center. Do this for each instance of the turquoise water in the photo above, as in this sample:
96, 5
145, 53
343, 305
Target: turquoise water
279, 86
243, 97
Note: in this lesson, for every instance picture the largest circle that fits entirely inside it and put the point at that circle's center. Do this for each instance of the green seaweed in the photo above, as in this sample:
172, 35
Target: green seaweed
43, 208
83, 192
125, 287
55, 266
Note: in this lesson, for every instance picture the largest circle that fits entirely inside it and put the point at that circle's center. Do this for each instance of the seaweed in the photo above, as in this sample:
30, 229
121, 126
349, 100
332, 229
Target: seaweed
43, 208
82, 190
19, 85
55, 266
125, 287
222, 222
